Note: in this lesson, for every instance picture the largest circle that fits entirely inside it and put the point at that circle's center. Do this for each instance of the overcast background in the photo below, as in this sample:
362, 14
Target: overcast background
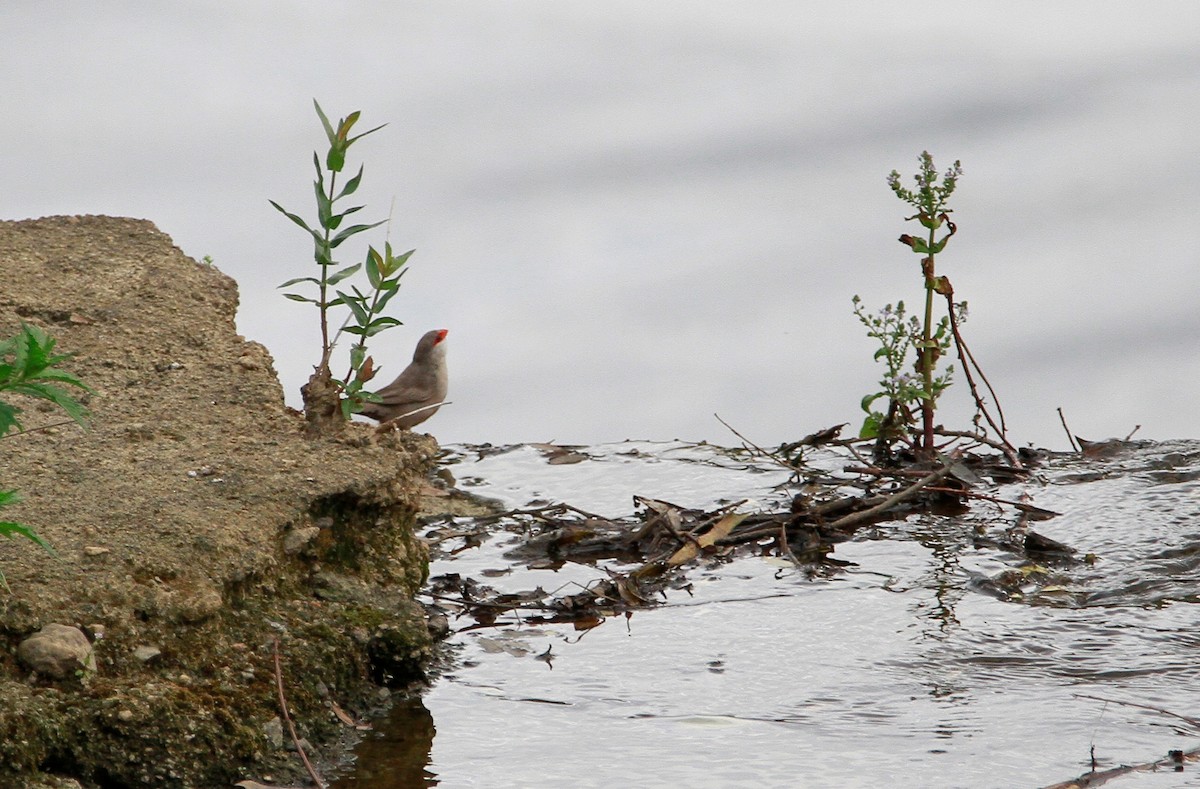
632, 215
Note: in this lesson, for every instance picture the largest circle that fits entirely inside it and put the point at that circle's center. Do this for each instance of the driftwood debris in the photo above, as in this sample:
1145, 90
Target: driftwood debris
643, 555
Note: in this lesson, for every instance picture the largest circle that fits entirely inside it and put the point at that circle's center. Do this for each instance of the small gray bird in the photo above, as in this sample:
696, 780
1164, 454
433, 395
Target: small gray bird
423, 383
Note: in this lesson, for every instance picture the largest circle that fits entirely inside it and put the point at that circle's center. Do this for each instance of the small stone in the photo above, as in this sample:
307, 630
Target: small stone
146, 653
274, 731
299, 539
303, 743
125, 715
248, 362
95, 550
56, 651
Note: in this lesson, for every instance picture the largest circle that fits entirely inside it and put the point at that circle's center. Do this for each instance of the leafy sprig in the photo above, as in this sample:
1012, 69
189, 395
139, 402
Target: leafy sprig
28, 367
365, 318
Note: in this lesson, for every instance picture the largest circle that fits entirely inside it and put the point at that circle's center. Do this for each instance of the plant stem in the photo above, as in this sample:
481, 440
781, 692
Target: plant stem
927, 360
326, 347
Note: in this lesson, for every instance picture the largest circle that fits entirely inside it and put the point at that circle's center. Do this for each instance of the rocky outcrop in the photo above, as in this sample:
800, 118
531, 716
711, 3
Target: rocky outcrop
194, 519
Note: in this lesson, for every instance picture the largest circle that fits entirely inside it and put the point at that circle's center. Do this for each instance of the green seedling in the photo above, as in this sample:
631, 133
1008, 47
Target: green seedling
897, 334
27, 367
328, 401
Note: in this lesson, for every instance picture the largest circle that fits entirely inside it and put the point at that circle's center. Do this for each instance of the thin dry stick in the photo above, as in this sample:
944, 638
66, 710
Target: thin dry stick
751, 445
785, 547
312, 771
1093, 779
855, 518
1191, 721
970, 494
968, 360
394, 422
73, 422
1002, 446
1070, 437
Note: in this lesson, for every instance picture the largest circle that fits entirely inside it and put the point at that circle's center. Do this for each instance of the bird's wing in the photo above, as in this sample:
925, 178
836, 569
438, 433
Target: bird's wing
408, 389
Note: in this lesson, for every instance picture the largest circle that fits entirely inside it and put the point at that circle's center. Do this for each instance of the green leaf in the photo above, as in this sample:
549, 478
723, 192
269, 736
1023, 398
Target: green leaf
8, 418
325, 122
19, 348
322, 252
55, 395
380, 324
336, 219
388, 290
291, 282
352, 230
355, 305
63, 377
346, 124
8, 529
324, 206
291, 216
335, 160
394, 264
372, 263
870, 426
298, 297
348, 271
364, 134
351, 186
869, 399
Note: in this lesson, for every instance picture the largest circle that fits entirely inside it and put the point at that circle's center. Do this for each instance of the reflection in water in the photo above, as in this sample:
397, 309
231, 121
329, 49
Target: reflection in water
396, 754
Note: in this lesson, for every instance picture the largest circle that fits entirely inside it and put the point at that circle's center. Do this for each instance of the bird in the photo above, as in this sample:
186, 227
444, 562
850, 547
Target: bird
418, 391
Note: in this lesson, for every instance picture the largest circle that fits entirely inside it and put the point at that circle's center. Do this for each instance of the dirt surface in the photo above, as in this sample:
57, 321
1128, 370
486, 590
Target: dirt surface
194, 525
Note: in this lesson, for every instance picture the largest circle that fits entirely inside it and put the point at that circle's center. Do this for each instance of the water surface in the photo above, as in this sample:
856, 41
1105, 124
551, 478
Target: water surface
909, 666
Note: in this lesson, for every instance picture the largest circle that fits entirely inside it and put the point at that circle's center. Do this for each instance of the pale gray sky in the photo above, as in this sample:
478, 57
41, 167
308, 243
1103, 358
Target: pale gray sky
632, 215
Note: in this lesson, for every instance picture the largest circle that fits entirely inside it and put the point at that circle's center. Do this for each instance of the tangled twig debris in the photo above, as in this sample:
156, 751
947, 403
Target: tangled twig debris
647, 553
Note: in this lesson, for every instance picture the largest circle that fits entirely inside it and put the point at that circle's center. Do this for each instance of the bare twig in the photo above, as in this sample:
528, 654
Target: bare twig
1131, 432
970, 494
394, 422
1001, 446
968, 361
856, 518
784, 547
1173, 760
751, 445
1191, 721
1070, 437
69, 422
312, 771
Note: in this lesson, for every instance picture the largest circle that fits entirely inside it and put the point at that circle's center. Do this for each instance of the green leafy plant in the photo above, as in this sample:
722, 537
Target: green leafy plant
903, 389
27, 367
329, 401
912, 395
898, 335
